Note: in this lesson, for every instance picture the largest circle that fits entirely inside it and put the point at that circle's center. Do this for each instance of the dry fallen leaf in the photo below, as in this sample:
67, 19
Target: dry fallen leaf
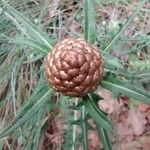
109, 104
137, 120
143, 107
135, 145
145, 142
94, 143
124, 132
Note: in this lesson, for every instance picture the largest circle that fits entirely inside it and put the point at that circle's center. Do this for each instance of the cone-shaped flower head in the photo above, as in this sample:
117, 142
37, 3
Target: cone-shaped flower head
74, 67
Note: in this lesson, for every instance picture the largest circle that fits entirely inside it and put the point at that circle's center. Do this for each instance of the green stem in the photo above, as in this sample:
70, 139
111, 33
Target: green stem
104, 138
84, 129
74, 126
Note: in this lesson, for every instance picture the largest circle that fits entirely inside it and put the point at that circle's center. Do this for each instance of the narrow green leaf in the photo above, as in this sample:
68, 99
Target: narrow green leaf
96, 113
29, 114
112, 65
123, 87
143, 76
90, 21
104, 138
34, 58
1, 10
26, 26
30, 42
37, 94
84, 129
36, 130
96, 97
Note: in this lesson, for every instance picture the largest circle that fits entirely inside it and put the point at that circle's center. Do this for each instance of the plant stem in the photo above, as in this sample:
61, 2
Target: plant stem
104, 138
74, 126
84, 129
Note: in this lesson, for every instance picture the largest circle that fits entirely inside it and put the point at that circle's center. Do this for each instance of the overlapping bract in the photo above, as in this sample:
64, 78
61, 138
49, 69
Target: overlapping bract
74, 67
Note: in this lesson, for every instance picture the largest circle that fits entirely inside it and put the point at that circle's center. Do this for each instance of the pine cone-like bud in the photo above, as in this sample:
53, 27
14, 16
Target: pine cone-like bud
74, 67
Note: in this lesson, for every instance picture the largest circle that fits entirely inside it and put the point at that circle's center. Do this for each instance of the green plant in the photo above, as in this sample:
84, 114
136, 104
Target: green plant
29, 120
